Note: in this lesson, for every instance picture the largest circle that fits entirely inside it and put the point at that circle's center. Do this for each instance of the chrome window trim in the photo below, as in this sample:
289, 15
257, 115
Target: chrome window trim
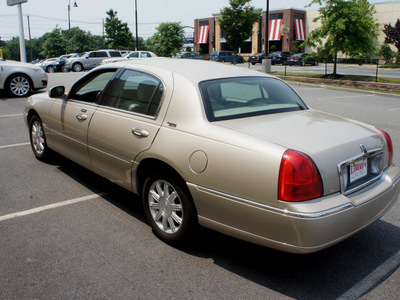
277, 210
129, 112
346, 163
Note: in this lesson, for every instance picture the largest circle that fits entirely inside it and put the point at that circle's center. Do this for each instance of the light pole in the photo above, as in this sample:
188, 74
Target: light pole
21, 27
69, 13
267, 30
136, 24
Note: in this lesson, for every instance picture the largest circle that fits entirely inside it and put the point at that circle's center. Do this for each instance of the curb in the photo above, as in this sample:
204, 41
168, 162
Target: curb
331, 87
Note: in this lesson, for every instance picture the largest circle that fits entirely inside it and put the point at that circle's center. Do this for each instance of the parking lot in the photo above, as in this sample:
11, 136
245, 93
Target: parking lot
66, 233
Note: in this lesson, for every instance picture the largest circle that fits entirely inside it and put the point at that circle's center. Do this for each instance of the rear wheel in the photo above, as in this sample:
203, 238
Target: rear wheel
50, 69
77, 67
168, 207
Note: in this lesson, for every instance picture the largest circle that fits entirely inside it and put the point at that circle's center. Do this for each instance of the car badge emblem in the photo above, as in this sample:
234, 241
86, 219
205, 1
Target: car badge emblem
363, 149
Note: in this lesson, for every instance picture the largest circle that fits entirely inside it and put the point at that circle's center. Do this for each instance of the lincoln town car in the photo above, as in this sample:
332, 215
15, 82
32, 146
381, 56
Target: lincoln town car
227, 148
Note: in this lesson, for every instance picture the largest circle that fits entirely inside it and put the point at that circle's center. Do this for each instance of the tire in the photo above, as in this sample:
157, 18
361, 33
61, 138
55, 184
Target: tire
50, 69
38, 139
19, 85
64, 69
77, 67
168, 207
253, 63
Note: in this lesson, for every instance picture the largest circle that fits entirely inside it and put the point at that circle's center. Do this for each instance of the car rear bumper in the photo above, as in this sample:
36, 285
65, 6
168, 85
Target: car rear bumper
297, 227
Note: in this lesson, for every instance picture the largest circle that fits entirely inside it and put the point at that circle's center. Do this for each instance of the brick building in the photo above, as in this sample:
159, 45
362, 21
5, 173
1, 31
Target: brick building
287, 28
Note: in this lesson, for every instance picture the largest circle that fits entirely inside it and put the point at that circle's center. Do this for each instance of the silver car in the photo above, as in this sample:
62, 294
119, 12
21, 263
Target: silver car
19, 79
90, 60
228, 148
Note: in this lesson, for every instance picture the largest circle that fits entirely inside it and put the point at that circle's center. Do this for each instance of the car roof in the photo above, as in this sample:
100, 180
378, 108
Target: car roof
194, 70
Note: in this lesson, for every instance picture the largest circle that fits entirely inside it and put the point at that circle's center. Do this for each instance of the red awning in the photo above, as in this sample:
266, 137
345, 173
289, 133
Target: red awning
275, 27
300, 30
203, 35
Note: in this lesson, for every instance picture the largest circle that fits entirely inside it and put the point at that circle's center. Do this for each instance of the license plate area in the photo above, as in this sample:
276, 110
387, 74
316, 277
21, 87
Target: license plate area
360, 171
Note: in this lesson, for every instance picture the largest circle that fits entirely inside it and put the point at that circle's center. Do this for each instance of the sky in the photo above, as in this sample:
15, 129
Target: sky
45, 15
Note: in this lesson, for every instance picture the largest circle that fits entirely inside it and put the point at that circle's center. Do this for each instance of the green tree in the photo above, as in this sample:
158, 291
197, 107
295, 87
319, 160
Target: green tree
386, 53
237, 22
55, 44
392, 34
168, 39
118, 34
346, 27
11, 51
79, 40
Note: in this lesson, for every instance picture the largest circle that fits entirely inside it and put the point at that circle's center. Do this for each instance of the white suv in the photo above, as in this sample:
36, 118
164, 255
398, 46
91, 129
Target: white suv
90, 60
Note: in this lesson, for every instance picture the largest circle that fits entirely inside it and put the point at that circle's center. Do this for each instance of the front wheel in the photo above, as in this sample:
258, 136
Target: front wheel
38, 139
19, 85
167, 207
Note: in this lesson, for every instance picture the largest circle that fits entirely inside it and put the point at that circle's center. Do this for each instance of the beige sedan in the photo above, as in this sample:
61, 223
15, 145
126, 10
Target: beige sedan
228, 148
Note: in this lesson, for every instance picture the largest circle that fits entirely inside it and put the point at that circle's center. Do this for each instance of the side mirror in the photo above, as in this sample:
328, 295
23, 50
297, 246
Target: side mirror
57, 91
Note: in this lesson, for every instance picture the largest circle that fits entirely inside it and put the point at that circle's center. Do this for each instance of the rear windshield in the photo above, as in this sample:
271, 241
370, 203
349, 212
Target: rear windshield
241, 97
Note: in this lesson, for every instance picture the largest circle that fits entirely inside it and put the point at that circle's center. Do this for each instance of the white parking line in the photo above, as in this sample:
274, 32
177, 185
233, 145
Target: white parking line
50, 206
14, 145
343, 97
15, 115
373, 279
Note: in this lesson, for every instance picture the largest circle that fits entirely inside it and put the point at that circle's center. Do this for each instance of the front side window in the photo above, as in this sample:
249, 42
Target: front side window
233, 98
134, 54
136, 92
89, 87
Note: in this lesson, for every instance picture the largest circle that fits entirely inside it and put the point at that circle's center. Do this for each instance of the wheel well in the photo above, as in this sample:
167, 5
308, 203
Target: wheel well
149, 166
31, 113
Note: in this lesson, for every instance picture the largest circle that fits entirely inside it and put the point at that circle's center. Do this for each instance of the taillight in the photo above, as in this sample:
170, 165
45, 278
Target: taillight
299, 178
389, 145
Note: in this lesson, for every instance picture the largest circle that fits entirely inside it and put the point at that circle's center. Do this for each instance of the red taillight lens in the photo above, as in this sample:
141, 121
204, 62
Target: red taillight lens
389, 145
299, 178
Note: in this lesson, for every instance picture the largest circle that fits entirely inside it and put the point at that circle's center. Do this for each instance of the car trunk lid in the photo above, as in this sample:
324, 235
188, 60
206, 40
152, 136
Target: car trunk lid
328, 139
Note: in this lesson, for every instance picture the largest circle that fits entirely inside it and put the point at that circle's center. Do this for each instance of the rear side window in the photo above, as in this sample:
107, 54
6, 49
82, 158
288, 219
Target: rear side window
136, 92
115, 54
233, 98
101, 54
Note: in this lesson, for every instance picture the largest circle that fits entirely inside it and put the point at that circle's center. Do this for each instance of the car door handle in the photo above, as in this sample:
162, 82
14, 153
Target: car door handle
81, 117
140, 132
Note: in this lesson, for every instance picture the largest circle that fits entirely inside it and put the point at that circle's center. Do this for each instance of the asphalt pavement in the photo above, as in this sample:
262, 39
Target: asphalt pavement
66, 233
